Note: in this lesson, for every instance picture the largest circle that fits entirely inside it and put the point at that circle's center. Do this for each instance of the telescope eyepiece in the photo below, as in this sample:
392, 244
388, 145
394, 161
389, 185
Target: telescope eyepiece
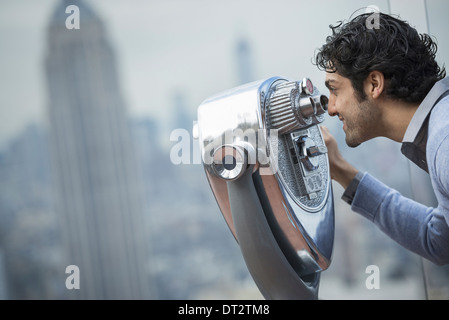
296, 105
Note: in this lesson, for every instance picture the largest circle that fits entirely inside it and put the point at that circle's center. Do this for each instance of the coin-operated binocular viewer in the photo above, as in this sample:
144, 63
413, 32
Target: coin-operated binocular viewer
267, 165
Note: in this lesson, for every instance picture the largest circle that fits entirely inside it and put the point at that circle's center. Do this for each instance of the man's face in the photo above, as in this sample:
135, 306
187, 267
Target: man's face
359, 117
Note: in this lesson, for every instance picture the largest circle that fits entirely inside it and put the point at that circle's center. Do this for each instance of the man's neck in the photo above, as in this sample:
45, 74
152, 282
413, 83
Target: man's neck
396, 118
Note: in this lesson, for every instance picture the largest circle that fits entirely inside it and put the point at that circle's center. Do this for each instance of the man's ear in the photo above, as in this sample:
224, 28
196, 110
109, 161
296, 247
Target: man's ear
375, 84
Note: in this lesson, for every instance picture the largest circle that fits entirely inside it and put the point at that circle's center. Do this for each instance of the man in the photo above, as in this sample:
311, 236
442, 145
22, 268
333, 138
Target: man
384, 82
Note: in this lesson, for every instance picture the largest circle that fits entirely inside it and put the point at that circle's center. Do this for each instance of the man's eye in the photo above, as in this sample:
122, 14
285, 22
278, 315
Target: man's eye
333, 91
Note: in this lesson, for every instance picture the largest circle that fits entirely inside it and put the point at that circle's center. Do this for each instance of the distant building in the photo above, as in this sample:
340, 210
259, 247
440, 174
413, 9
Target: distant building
99, 199
29, 243
244, 62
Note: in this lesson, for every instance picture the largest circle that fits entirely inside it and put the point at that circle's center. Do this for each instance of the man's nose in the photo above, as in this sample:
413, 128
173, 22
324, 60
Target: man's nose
331, 109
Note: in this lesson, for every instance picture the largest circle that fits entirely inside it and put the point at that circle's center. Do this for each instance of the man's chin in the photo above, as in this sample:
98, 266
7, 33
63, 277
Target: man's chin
352, 143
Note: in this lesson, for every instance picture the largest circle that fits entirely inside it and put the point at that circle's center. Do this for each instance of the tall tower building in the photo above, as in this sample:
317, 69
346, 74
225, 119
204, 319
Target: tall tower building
244, 61
99, 191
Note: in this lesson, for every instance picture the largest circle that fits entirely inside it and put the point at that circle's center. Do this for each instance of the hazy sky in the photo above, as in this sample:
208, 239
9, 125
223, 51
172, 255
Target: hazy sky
169, 46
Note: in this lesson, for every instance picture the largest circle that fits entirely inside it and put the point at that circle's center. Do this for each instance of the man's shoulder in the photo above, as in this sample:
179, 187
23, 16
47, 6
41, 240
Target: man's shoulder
439, 122
438, 144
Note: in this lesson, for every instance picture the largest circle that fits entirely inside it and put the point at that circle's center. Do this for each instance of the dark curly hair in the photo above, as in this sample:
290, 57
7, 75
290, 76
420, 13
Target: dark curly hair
393, 47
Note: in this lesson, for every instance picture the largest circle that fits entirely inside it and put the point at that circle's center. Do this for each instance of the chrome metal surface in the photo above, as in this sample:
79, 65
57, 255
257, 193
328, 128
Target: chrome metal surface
266, 132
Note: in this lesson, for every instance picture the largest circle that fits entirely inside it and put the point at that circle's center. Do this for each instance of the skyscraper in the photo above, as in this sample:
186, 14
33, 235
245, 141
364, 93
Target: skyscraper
99, 191
244, 61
